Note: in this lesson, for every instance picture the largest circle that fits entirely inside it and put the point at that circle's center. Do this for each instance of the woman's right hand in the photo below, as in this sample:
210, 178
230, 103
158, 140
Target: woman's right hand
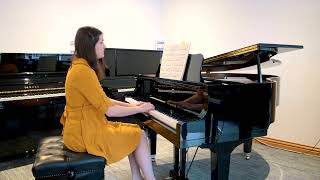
145, 107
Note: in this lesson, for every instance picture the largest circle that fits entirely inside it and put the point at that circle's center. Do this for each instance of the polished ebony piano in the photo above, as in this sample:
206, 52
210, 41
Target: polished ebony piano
32, 100
234, 107
124, 65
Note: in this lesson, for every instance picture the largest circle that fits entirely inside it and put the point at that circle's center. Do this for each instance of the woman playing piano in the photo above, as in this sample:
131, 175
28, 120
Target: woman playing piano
85, 126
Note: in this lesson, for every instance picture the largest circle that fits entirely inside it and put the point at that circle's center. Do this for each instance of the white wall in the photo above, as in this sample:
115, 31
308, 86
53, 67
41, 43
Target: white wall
50, 26
215, 27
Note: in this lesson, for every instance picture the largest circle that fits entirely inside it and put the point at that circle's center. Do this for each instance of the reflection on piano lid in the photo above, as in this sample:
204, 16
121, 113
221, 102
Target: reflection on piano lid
267, 64
246, 57
243, 80
34, 62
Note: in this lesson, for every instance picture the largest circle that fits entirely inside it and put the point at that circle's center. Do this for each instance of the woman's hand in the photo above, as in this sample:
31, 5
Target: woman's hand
145, 107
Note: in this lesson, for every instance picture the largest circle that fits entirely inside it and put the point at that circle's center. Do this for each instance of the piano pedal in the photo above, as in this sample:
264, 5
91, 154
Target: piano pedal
29, 153
173, 174
247, 156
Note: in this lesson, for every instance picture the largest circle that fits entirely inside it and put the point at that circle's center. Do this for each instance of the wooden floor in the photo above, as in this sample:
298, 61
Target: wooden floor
265, 163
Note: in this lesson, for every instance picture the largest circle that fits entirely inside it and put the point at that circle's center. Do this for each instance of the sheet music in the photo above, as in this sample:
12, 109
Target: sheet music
174, 60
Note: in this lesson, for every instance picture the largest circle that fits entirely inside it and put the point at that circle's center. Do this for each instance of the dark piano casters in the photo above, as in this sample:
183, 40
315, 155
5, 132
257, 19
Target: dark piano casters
235, 107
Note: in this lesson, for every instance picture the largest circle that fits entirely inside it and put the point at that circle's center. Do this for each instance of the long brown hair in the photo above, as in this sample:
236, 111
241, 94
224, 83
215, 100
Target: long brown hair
85, 41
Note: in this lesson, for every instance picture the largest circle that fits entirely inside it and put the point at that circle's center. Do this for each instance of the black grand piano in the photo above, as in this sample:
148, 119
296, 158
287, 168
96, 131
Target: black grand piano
235, 107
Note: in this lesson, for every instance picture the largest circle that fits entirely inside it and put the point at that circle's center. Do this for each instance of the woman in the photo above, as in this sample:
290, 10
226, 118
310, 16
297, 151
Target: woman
85, 127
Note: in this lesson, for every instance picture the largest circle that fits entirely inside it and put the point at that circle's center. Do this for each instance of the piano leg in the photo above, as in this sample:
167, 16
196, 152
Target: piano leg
176, 158
179, 167
153, 143
183, 153
247, 146
220, 160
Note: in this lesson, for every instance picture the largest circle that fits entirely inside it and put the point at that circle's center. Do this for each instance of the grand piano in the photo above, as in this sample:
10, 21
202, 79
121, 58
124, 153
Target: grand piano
235, 107
32, 100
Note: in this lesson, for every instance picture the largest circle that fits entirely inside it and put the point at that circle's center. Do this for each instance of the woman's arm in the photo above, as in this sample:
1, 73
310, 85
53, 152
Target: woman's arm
120, 111
116, 102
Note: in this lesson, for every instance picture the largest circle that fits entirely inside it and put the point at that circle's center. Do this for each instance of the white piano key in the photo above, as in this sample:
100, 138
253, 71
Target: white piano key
167, 120
131, 100
16, 98
160, 117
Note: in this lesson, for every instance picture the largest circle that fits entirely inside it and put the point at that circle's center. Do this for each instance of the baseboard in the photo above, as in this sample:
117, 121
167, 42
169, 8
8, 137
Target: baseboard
289, 146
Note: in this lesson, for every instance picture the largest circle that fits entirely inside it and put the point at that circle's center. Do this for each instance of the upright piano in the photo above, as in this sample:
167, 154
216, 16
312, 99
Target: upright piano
235, 107
32, 100
124, 66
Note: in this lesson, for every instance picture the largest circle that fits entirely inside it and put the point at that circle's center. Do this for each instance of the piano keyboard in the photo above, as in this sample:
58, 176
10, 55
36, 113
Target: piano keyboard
24, 97
159, 116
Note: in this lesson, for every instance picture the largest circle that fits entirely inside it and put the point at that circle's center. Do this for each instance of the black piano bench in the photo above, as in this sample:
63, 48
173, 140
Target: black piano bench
54, 161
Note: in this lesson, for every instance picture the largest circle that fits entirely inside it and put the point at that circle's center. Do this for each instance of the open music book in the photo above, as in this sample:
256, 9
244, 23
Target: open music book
174, 60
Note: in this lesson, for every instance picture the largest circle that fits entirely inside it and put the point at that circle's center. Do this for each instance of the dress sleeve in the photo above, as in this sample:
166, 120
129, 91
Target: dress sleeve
87, 83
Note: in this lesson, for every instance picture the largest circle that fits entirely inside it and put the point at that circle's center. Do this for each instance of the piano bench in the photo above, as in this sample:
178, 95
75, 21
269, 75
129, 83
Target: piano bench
54, 161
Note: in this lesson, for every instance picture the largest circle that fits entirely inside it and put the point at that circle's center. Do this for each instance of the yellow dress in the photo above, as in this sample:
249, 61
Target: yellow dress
85, 127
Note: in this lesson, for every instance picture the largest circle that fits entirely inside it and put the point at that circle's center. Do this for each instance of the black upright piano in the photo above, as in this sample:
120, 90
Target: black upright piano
235, 107
124, 65
32, 100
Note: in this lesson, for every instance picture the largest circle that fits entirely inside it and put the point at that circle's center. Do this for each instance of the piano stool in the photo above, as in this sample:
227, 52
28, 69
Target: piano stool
54, 161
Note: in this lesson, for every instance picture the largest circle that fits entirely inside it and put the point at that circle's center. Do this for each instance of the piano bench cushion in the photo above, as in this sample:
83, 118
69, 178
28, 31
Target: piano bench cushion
54, 161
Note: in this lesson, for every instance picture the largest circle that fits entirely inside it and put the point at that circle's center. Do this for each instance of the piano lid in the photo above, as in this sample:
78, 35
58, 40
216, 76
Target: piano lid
245, 57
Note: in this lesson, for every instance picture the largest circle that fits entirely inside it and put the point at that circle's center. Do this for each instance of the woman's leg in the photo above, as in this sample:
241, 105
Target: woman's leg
142, 156
135, 169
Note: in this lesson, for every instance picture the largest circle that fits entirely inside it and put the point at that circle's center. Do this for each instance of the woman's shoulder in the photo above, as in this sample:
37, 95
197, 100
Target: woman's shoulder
80, 68
80, 63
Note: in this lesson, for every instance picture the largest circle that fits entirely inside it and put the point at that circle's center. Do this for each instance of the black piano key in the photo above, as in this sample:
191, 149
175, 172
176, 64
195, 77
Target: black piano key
172, 112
